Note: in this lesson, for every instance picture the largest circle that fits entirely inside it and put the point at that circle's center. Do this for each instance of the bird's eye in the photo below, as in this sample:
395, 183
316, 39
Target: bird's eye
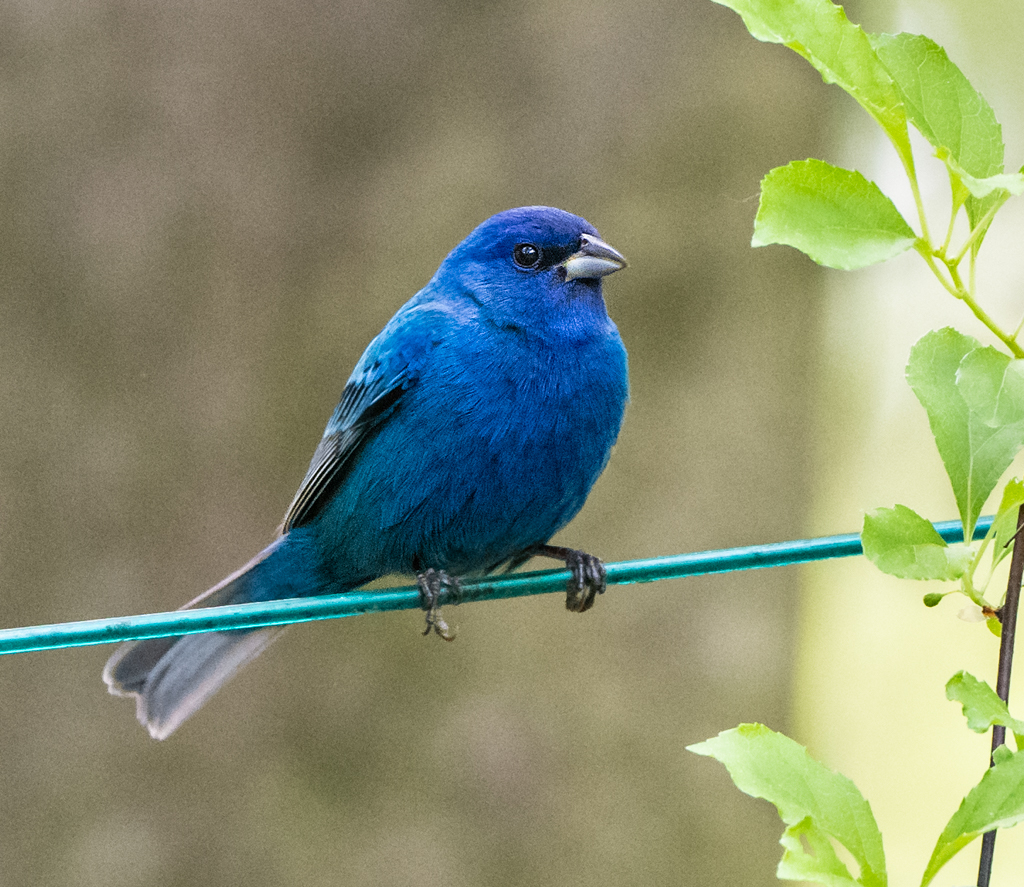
526, 255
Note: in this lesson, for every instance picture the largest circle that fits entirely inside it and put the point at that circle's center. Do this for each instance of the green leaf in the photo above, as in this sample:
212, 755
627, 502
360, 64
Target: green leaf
822, 864
1004, 527
992, 386
902, 543
982, 707
974, 453
985, 194
951, 114
814, 801
995, 802
1012, 182
834, 215
820, 32
1003, 752
941, 102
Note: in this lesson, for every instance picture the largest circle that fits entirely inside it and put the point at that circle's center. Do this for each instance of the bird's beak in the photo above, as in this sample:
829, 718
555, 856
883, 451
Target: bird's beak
595, 258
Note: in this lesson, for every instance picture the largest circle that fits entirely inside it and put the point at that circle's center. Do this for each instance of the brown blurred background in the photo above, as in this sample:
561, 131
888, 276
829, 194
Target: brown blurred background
207, 212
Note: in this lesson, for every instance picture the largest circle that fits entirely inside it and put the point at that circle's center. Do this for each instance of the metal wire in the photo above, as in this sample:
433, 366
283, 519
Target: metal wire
353, 603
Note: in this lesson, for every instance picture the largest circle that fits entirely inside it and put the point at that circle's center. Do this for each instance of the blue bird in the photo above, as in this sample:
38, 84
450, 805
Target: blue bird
469, 433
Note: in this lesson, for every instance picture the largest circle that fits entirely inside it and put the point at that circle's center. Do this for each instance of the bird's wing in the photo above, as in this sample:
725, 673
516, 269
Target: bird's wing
376, 386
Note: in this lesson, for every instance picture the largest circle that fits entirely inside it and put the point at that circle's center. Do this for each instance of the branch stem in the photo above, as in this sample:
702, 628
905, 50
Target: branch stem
974, 238
1008, 618
965, 295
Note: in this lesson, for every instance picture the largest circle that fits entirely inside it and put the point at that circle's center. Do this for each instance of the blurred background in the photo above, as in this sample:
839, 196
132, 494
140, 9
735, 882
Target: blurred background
207, 212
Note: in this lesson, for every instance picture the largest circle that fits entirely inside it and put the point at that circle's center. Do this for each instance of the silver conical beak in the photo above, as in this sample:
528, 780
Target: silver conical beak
595, 258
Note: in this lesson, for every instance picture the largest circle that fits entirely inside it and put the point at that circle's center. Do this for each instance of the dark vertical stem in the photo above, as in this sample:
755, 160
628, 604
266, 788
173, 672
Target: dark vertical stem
1008, 618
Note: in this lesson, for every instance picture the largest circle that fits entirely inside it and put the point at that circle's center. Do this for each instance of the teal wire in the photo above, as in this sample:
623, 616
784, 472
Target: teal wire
261, 615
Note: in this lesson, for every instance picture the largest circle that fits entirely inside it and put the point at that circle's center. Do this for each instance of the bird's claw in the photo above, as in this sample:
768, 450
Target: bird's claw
588, 580
589, 576
431, 584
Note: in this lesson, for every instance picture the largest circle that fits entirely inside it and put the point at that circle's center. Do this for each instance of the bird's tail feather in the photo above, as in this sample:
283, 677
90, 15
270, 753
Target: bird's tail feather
173, 677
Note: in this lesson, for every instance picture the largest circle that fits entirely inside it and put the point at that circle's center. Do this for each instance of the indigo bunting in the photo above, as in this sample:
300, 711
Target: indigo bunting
470, 431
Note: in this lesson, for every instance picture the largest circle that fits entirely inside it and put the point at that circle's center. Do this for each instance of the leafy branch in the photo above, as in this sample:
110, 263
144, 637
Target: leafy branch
820, 806
973, 395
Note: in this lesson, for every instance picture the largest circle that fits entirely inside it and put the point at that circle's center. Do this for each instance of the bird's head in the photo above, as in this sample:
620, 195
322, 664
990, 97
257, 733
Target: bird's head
534, 267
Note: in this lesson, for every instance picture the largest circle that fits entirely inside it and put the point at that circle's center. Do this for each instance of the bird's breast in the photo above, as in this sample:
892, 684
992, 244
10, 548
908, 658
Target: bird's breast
492, 450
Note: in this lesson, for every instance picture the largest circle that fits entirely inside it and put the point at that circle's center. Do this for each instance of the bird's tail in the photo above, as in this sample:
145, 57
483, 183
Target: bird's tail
173, 677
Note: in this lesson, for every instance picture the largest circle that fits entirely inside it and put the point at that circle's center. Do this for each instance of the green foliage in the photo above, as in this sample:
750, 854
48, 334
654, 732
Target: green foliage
947, 111
820, 806
816, 803
982, 707
992, 386
941, 103
973, 396
995, 802
901, 542
1004, 527
897, 79
975, 407
835, 215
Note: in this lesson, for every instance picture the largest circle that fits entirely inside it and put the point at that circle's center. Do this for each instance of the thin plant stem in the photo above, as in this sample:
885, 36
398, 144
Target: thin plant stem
1008, 618
944, 249
953, 283
981, 228
967, 297
907, 159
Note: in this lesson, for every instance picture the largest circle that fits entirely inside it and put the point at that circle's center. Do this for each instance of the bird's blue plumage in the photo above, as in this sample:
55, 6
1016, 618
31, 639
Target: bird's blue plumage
470, 431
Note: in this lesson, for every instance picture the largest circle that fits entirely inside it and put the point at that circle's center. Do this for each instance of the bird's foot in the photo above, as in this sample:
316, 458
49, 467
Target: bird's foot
431, 584
588, 576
